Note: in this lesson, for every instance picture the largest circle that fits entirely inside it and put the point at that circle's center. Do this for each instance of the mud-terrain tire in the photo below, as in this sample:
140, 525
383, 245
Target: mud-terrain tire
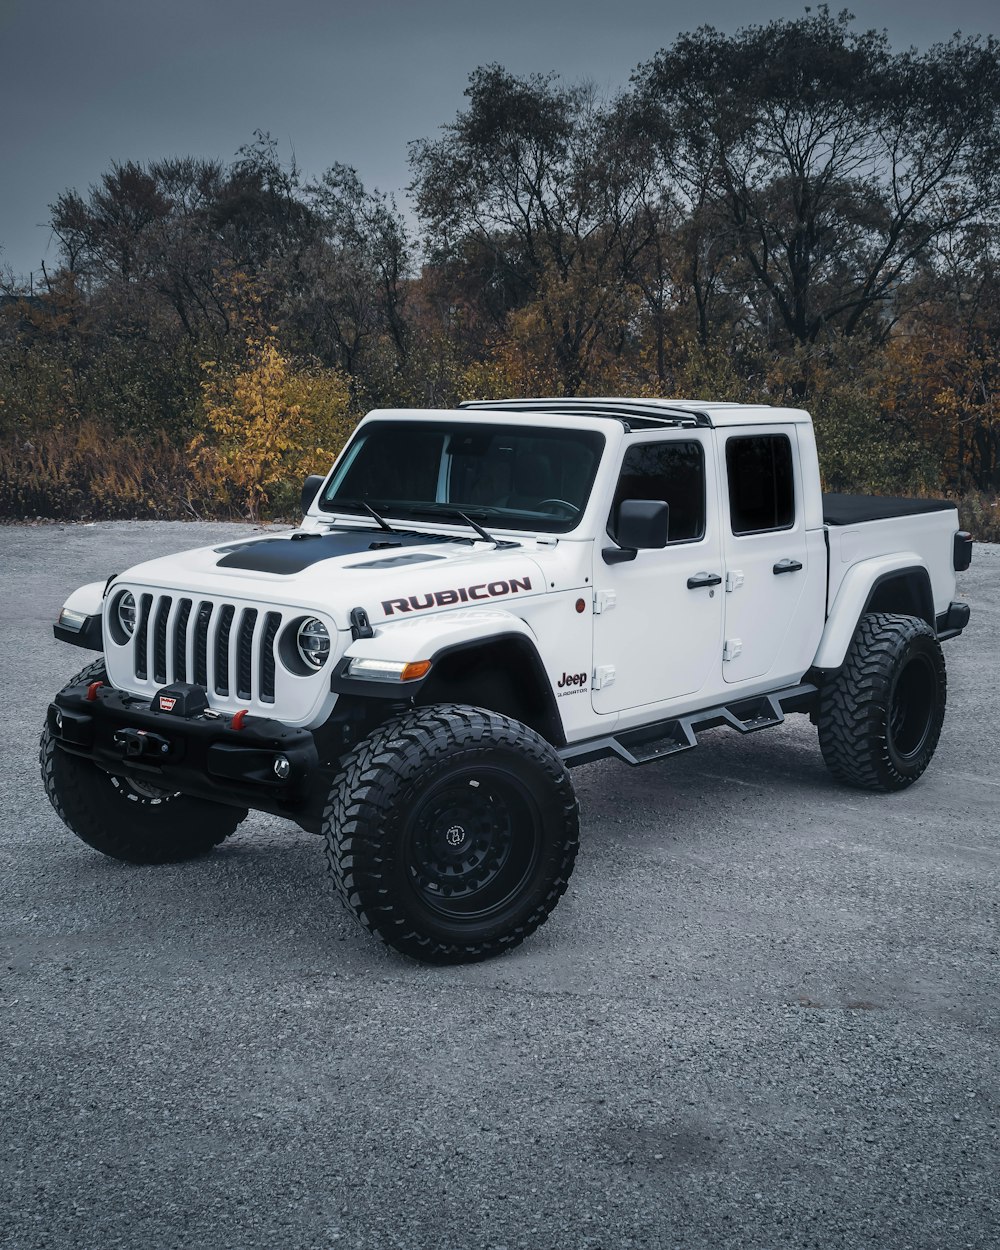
880, 718
129, 821
451, 832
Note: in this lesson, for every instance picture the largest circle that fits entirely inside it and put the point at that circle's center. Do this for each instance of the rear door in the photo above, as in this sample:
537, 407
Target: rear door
658, 618
766, 550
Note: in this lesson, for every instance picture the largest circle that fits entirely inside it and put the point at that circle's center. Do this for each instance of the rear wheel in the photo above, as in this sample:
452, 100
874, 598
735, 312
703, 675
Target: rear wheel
126, 818
452, 832
880, 718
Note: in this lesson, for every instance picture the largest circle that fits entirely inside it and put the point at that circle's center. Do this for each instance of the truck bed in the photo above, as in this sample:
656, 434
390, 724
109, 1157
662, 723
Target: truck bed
853, 509
866, 527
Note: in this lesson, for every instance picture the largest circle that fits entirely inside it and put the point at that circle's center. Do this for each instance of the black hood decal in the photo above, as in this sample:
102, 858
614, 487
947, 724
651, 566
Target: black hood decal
299, 551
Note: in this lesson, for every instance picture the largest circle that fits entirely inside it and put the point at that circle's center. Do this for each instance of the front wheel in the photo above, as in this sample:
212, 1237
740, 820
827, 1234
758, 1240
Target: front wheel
880, 718
452, 832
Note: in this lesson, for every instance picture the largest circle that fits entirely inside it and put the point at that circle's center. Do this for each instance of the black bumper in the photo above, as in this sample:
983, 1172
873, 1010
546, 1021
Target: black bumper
951, 623
202, 755
89, 635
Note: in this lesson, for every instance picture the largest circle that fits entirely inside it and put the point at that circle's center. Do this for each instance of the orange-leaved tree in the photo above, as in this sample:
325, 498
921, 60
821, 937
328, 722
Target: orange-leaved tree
267, 424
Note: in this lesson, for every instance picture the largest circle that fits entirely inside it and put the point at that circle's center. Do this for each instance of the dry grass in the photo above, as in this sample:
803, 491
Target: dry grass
83, 474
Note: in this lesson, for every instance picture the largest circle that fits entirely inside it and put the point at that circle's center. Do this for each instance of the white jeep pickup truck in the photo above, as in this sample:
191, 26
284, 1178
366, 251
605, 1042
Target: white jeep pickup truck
476, 599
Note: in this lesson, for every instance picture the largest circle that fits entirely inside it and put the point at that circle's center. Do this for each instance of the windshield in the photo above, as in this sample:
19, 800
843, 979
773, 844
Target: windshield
514, 477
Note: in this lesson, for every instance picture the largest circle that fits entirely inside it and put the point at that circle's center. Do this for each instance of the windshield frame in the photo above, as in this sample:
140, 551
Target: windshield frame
494, 517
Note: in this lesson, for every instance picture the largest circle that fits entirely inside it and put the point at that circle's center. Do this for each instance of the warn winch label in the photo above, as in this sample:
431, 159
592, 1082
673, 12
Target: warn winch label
464, 594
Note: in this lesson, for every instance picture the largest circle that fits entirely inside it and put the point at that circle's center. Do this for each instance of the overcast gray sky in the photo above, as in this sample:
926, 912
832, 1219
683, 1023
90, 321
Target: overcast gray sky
87, 82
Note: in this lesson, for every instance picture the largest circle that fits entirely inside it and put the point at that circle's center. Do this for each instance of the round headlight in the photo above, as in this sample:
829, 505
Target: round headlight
313, 642
126, 613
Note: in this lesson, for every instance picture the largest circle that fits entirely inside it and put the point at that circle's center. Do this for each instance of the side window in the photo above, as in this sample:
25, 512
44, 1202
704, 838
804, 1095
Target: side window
674, 472
761, 483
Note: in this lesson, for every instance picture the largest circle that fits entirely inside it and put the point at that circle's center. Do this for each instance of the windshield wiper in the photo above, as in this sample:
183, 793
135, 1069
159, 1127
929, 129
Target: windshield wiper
337, 504
444, 510
484, 534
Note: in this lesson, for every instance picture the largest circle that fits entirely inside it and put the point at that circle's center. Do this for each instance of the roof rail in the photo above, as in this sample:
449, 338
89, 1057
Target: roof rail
633, 413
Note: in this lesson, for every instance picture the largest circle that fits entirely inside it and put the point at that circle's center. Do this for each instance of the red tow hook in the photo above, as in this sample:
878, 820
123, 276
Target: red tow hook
238, 719
92, 690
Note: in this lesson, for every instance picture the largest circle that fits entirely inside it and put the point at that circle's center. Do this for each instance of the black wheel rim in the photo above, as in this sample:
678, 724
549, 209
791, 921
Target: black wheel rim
470, 843
911, 710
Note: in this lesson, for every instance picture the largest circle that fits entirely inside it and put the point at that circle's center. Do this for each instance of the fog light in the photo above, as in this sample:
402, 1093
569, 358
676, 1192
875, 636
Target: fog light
282, 767
59, 722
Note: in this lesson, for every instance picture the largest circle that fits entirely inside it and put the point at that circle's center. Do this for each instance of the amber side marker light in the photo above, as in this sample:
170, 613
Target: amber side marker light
415, 670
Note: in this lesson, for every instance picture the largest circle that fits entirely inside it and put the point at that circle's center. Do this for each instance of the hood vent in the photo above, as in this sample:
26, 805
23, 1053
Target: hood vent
393, 562
286, 556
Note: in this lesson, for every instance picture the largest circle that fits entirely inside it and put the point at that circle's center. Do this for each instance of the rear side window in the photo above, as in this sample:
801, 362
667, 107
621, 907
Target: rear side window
673, 472
761, 483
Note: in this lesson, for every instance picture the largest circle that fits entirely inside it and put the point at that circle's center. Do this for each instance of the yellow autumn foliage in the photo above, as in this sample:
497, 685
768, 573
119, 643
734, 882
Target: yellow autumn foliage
946, 380
267, 424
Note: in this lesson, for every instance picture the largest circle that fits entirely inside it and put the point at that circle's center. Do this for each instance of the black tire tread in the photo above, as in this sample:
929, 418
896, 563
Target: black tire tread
853, 705
383, 762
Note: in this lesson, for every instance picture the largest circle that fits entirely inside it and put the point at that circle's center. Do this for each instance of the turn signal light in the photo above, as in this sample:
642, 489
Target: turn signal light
388, 670
415, 670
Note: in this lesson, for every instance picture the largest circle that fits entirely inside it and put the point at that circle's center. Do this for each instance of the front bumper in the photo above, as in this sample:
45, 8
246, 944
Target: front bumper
210, 756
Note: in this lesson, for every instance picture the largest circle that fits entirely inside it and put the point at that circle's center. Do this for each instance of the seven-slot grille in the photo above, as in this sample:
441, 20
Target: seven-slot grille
227, 649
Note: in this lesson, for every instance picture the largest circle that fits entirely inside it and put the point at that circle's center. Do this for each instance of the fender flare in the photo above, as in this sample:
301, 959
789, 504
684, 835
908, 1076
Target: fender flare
437, 638
857, 592
87, 600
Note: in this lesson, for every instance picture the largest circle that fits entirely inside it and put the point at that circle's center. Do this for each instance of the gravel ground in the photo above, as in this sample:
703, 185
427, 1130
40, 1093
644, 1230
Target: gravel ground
765, 1014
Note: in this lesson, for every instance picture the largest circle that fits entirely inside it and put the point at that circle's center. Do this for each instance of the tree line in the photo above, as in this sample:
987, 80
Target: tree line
795, 213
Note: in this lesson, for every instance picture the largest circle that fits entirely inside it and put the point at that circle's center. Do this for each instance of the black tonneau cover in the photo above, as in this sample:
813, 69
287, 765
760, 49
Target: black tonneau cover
851, 509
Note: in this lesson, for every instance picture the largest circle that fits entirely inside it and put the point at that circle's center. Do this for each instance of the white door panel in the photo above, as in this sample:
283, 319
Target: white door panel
657, 638
761, 611
661, 639
767, 570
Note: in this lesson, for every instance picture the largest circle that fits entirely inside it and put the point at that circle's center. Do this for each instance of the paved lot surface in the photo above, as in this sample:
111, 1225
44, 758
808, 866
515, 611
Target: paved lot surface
765, 1014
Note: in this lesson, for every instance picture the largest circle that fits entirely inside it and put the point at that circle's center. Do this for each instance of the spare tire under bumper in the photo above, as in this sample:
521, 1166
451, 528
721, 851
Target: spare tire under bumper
245, 762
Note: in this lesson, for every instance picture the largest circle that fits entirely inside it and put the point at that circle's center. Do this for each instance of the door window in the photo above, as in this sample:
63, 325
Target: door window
673, 472
761, 483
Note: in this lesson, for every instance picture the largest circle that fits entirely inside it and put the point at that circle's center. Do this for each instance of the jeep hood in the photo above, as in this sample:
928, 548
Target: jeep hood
387, 574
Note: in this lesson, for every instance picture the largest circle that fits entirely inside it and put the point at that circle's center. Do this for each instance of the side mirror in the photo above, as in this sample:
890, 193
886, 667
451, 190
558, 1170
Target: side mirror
643, 525
311, 489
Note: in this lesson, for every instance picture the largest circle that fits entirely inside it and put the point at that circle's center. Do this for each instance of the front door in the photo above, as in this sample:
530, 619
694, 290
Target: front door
658, 618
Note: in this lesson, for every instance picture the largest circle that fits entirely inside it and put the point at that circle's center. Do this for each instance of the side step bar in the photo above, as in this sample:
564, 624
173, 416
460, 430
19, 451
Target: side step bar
670, 737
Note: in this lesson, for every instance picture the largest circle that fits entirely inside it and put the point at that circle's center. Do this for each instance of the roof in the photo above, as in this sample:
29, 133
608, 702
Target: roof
648, 413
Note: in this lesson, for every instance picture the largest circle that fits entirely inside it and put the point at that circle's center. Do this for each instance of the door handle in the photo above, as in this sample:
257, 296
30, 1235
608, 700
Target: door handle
787, 566
703, 579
